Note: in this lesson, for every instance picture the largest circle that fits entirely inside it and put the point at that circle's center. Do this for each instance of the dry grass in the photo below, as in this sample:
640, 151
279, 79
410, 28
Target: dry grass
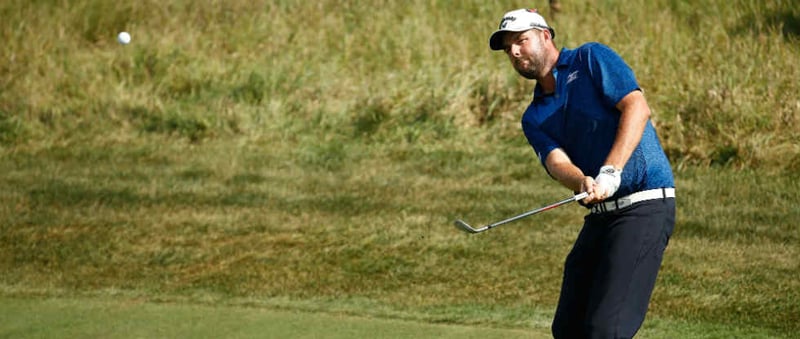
228, 154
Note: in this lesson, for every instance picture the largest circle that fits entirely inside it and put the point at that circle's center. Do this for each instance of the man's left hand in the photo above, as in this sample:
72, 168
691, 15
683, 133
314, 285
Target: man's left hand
607, 181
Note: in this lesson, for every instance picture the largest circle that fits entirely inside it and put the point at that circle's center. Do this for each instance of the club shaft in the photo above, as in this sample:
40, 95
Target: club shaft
538, 210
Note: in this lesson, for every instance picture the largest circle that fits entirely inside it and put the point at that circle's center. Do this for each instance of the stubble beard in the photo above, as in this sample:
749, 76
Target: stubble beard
530, 72
535, 64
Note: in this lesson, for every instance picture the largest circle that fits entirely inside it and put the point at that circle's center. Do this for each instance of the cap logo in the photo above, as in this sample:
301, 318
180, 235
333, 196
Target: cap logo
504, 22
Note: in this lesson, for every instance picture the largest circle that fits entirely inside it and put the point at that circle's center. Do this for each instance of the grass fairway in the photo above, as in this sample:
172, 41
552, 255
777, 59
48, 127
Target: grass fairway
131, 318
197, 228
311, 156
91, 318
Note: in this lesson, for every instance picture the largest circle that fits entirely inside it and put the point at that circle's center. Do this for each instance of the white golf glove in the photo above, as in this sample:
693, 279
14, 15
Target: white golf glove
608, 180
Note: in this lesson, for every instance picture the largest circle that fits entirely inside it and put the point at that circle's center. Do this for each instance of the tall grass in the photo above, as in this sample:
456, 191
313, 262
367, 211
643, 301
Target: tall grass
719, 74
319, 151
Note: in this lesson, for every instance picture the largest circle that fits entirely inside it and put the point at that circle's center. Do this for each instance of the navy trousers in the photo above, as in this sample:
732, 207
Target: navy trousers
611, 270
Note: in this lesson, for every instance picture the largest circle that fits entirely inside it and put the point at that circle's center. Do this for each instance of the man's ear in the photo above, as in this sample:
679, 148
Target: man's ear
549, 34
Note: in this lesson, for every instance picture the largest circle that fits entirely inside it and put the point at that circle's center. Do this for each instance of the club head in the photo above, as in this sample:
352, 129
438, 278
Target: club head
460, 224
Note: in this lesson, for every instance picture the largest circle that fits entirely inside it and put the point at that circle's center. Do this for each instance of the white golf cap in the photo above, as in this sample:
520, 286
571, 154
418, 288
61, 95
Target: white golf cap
517, 21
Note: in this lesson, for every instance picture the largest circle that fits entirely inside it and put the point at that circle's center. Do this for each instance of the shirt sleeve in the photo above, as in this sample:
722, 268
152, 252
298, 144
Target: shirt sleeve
542, 144
609, 72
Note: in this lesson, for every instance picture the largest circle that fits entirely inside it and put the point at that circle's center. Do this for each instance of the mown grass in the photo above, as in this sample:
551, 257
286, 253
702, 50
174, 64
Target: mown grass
93, 318
317, 152
221, 222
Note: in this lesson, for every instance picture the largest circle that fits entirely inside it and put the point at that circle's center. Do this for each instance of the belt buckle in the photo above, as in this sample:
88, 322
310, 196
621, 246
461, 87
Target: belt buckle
623, 202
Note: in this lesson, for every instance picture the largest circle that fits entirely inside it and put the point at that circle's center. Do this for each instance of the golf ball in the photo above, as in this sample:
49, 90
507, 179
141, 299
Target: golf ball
124, 38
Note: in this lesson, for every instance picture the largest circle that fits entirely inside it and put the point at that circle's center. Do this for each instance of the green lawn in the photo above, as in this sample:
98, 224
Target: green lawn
311, 156
107, 318
124, 317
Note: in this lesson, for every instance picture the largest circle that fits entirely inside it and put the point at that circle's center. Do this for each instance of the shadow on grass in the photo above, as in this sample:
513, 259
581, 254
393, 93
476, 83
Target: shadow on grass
786, 22
58, 193
772, 227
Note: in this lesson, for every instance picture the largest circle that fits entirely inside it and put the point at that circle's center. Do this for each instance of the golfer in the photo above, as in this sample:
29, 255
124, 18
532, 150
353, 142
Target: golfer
589, 124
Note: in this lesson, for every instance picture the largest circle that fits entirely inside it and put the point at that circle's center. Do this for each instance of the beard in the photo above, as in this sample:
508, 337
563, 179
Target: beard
531, 66
527, 73
530, 71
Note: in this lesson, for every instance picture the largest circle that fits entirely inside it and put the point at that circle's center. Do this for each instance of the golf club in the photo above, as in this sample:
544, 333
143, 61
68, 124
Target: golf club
460, 224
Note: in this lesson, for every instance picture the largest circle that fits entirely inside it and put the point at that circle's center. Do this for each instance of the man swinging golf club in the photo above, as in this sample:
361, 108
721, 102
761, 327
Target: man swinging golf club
589, 124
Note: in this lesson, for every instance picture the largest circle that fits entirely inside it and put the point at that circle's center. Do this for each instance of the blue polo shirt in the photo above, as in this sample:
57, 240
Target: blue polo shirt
581, 118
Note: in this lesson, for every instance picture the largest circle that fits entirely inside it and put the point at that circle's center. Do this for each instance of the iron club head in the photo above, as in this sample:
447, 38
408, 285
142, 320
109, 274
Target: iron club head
460, 224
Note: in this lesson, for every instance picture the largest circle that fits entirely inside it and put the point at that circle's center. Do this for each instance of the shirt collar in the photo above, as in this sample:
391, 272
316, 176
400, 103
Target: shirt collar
564, 60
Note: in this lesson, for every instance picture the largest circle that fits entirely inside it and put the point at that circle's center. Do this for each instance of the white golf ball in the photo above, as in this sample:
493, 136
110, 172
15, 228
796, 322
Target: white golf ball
124, 38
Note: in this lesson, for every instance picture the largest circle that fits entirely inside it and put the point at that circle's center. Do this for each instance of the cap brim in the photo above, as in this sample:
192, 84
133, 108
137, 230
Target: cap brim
496, 40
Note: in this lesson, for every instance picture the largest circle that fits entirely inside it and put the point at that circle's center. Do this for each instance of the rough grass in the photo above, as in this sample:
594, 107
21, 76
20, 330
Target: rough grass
717, 72
227, 153
223, 222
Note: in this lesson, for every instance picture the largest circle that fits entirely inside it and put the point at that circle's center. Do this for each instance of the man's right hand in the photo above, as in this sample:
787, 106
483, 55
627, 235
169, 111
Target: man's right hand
590, 186
600, 188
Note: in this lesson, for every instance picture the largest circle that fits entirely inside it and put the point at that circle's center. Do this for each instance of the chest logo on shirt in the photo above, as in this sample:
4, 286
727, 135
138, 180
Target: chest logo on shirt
572, 76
